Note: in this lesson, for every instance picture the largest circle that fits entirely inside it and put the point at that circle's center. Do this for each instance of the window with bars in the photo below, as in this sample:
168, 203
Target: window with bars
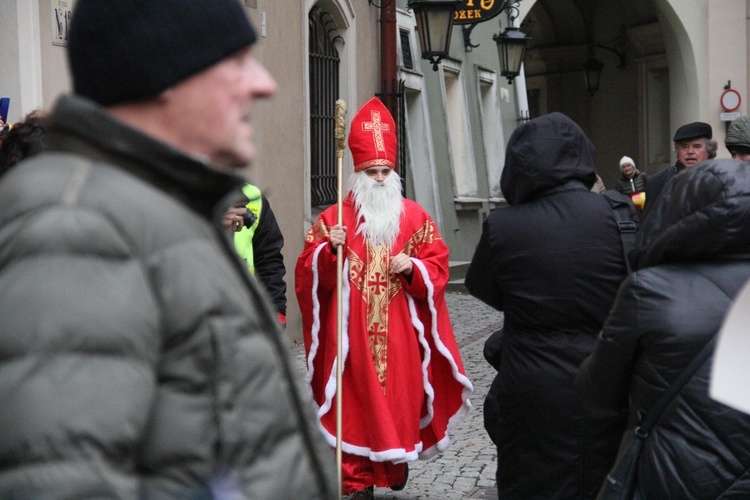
406, 50
324, 90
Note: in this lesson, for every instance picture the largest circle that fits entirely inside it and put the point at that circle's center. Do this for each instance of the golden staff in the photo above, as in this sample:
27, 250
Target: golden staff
340, 133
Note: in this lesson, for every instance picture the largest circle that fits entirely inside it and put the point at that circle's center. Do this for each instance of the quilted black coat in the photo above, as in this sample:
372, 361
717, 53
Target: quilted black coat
636, 184
552, 261
693, 258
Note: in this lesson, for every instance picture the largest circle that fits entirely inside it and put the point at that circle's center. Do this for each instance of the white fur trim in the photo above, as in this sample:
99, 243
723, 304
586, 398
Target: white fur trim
315, 329
397, 455
468, 388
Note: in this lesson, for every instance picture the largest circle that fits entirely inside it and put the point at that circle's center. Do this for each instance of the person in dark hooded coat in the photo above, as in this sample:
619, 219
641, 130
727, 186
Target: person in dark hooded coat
692, 260
552, 261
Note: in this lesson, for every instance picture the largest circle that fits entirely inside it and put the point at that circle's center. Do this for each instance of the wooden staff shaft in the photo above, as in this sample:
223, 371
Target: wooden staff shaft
340, 133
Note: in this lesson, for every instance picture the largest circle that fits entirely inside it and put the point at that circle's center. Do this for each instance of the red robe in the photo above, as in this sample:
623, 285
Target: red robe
404, 384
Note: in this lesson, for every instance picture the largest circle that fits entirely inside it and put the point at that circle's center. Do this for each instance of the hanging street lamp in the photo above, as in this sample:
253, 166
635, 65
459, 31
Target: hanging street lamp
593, 67
511, 48
511, 45
434, 25
593, 74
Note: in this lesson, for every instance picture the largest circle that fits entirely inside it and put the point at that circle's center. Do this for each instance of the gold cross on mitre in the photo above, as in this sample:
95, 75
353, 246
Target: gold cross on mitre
377, 127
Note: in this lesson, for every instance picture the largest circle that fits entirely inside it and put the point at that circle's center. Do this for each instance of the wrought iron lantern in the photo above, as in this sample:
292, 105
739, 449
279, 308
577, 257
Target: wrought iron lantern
593, 67
593, 74
434, 25
511, 45
511, 48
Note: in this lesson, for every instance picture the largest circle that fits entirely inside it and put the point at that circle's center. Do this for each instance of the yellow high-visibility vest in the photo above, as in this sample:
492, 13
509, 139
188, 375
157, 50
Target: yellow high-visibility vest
243, 239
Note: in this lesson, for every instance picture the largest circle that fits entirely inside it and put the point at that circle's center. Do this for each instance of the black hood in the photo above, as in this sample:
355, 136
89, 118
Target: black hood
702, 214
544, 153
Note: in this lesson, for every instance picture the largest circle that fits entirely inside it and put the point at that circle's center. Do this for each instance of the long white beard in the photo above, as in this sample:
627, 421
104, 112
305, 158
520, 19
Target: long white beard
379, 206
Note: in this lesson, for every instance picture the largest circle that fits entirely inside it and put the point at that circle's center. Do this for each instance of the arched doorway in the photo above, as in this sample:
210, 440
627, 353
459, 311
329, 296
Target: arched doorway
629, 113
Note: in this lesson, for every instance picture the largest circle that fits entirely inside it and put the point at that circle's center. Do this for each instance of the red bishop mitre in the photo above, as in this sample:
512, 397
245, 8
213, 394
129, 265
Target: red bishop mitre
372, 137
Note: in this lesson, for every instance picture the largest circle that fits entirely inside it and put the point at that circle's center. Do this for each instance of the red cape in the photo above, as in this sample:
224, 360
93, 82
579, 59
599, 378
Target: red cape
404, 384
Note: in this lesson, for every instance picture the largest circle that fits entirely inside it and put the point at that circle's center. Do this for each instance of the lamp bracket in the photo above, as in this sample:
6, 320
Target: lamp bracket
512, 11
510, 7
466, 29
621, 55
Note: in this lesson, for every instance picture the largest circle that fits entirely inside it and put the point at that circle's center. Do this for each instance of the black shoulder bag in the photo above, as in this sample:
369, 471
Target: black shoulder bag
620, 482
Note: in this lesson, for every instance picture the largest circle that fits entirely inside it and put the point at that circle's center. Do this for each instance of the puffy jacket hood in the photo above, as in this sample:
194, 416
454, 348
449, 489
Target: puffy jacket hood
702, 214
544, 153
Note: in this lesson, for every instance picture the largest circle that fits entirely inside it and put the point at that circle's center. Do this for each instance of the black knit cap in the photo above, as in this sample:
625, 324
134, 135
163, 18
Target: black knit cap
693, 131
128, 50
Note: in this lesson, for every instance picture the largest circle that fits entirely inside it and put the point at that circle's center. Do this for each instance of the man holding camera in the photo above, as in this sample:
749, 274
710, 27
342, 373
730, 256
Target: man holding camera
258, 240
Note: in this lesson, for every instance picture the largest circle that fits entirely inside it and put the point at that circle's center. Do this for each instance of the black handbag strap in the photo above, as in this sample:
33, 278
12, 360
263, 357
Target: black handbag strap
625, 225
642, 430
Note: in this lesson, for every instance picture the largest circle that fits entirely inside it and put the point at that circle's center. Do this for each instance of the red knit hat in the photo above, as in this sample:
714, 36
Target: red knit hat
372, 137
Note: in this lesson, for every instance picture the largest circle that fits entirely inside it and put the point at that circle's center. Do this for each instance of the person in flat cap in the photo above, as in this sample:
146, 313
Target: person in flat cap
141, 358
693, 143
737, 140
403, 381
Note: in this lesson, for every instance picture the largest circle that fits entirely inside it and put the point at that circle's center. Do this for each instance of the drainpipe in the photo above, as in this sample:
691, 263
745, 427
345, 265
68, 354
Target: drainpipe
520, 81
388, 56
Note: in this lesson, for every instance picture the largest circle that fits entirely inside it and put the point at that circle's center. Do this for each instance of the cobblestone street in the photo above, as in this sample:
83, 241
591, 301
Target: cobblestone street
467, 468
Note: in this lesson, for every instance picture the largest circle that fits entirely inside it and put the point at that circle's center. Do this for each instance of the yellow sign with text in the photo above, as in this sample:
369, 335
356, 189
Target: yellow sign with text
477, 11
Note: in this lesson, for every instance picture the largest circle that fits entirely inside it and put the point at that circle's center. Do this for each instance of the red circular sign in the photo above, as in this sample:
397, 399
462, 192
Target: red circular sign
730, 100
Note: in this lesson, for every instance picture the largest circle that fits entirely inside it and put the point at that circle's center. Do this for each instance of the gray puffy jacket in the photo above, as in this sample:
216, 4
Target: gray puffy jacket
137, 357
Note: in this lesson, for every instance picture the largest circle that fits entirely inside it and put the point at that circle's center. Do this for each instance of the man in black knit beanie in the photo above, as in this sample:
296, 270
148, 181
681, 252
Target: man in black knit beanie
140, 358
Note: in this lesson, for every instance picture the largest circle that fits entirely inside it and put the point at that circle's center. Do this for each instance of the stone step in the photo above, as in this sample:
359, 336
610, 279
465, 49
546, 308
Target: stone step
457, 270
457, 286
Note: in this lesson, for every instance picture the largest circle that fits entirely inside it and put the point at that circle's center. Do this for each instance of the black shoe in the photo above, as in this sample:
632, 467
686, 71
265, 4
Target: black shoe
400, 486
365, 494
